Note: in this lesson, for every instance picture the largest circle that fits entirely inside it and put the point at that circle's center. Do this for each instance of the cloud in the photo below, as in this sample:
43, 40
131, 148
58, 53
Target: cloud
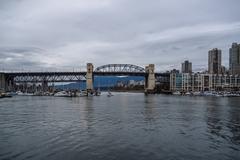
186, 32
50, 34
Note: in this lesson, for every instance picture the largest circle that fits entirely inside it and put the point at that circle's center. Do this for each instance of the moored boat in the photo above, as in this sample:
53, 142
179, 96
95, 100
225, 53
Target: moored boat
20, 93
62, 94
177, 93
5, 95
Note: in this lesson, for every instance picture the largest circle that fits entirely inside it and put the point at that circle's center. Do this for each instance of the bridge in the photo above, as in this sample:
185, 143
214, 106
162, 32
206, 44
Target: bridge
8, 79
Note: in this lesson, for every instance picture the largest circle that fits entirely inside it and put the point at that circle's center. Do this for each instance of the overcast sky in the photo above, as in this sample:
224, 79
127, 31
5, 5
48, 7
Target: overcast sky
66, 34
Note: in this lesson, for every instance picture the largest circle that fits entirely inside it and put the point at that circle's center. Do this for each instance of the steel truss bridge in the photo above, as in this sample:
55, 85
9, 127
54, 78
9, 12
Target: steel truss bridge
105, 70
39, 77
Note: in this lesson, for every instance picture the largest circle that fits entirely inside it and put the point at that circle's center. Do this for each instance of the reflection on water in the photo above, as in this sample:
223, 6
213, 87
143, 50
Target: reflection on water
125, 126
234, 120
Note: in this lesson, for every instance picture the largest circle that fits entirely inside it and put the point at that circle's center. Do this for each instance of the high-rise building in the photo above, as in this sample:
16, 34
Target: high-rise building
186, 67
214, 61
234, 59
223, 70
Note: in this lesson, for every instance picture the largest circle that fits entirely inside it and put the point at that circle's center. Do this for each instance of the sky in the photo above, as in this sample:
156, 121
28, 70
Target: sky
57, 35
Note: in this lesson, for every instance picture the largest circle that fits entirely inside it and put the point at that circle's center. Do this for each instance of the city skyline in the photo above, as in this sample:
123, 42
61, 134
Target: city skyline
69, 34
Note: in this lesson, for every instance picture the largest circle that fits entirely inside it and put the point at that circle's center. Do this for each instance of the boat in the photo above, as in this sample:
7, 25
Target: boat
208, 93
12, 93
229, 94
85, 93
62, 94
212, 93
19, 93
37, 93
109, 94
216, 94
5, 95
82, 94
97, 92
177, 93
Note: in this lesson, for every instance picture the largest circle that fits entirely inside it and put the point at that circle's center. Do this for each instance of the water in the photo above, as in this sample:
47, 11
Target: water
125, 126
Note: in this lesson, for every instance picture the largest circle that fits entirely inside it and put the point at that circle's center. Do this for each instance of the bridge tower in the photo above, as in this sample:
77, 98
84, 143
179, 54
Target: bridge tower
2, 82
150, 81
89, 77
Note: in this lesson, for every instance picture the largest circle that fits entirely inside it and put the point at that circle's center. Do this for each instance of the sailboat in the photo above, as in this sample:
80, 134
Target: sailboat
98, 91
109, 94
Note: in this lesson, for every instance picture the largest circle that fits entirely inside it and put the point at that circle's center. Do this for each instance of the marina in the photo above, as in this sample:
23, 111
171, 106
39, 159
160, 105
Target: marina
84, 93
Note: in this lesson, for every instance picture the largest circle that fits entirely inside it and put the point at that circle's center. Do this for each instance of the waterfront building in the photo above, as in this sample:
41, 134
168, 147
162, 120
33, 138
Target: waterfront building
186, 82
214, 61
186, 67
234, 59
176, 81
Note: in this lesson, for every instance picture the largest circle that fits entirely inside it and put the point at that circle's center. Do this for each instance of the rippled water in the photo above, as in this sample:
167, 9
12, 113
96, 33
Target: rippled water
125, 126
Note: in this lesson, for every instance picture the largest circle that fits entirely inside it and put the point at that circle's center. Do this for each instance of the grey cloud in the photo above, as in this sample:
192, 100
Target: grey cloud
16, 58
71, 33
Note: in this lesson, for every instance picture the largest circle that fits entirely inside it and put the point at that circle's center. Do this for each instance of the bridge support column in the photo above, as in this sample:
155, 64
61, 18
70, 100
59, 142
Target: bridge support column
150, 81
9, 85
44, 86
2, 82
89, 77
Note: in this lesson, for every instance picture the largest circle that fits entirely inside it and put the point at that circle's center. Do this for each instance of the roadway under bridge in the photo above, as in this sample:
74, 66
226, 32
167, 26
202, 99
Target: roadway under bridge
8, 79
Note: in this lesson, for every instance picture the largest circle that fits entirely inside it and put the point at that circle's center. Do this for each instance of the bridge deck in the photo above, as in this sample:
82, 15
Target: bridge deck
82, 73
68, 76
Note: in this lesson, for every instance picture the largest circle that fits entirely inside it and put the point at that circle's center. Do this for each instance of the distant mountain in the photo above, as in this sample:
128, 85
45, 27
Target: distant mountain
100, 82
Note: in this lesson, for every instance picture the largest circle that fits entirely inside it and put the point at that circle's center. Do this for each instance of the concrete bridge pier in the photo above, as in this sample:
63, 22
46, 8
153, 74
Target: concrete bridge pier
2, 82
9, 85
44, 85
89, 78
150, 81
